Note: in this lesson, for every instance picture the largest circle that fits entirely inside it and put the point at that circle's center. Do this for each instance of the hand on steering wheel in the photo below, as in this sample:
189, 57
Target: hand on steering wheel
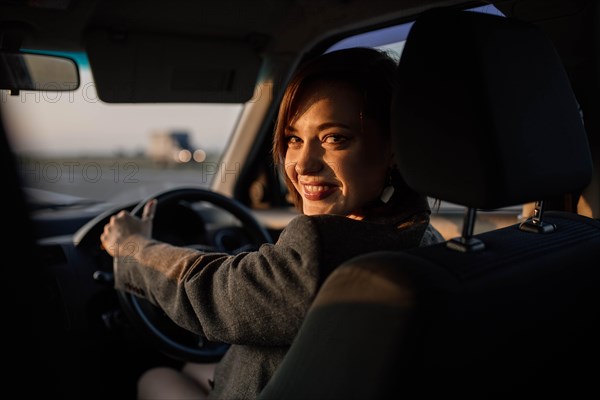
123, 224
171, 339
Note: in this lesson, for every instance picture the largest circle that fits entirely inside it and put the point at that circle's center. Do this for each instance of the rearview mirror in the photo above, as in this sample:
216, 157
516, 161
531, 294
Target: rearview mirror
27, 71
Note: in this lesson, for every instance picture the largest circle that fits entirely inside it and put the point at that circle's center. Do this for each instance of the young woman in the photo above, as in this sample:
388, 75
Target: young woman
332, 139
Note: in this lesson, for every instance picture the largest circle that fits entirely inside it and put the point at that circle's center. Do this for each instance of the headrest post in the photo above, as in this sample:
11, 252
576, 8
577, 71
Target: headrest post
535, 223
469, 222
467, 243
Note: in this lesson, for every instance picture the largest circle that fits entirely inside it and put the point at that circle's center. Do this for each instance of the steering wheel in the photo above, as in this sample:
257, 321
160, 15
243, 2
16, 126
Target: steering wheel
150, 320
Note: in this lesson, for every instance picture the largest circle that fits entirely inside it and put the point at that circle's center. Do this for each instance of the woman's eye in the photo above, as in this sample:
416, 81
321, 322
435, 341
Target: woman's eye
292, 140
334, 139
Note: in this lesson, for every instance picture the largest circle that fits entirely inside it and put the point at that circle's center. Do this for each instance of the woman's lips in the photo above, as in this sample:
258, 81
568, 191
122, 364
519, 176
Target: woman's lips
317, 192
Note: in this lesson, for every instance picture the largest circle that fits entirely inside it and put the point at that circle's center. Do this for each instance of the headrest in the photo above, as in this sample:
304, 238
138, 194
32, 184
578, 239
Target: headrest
484, 114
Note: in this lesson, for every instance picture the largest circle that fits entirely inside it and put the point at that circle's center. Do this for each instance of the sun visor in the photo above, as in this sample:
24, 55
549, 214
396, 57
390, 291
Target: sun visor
148, 68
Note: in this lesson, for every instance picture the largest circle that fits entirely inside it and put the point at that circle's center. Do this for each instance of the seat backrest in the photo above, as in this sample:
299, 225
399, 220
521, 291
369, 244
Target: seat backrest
24, 287
517, 318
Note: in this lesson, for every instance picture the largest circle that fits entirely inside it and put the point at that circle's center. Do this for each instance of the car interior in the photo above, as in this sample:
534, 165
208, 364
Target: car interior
494, 119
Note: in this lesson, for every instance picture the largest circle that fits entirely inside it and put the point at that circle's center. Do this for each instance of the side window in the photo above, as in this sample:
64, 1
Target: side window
390, 39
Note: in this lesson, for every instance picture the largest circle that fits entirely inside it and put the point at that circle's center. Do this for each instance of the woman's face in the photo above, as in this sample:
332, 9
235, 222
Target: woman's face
337, 161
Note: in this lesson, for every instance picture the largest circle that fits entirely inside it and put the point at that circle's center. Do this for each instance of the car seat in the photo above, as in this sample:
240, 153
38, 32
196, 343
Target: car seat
483, 116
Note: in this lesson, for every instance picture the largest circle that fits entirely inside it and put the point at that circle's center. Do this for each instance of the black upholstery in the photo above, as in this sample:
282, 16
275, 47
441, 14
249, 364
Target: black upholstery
489, 100
518, 319
509, 322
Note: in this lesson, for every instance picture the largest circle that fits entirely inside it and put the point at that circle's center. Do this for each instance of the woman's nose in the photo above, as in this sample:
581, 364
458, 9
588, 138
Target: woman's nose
310, 160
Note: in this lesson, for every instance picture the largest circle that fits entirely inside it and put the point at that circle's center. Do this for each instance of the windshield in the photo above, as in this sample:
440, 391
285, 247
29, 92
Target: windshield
73, 144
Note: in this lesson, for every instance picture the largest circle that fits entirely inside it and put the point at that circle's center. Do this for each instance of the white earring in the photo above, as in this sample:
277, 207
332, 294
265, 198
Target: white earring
387, 193
388, 190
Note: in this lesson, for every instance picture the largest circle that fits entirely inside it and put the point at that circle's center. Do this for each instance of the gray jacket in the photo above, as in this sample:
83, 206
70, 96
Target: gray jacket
257, 300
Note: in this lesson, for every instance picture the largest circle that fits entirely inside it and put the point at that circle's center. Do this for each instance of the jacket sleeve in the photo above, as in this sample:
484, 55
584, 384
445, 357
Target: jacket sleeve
254, 298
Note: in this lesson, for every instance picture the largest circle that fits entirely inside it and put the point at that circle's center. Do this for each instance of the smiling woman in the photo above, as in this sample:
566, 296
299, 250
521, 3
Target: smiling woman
333, 137
336, 160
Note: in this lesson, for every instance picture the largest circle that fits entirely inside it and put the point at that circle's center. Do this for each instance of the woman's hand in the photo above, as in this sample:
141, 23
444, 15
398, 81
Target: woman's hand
124, 230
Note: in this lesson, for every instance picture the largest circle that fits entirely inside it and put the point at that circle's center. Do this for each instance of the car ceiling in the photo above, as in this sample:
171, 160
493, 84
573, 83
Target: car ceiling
271, 26
60, 22
283, 25
51, 23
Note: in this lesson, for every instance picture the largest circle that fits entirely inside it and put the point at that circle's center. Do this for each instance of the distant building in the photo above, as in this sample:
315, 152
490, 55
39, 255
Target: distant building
169, 148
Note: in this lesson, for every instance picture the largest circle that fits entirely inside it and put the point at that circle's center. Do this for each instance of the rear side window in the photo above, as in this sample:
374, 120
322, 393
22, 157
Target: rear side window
392, 38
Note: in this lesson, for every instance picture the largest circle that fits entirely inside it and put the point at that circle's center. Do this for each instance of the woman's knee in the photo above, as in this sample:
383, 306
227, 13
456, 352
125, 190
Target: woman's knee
163, 383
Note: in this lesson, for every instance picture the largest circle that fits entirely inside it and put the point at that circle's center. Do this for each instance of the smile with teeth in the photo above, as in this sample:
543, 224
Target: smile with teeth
316, 188
317, 192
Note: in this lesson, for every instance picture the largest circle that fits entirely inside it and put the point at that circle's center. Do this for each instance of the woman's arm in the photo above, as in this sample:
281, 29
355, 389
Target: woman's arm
258, 297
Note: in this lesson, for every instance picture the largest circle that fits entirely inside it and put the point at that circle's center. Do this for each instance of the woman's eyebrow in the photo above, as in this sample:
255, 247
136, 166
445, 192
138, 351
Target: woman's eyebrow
326, 125
320, 127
